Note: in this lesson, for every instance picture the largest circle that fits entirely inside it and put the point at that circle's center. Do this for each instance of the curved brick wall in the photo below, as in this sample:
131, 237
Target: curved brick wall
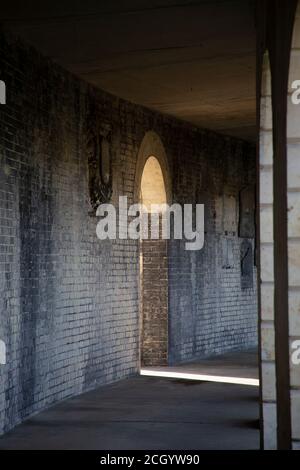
69, 310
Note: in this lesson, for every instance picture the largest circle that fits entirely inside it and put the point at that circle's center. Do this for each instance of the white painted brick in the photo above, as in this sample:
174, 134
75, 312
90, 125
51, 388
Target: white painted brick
266, 148
294, 313
266, 186
268, 381
266, 224
294, 263
267, 302
270, 426
267, 342
267, 263
295, 410
293, 159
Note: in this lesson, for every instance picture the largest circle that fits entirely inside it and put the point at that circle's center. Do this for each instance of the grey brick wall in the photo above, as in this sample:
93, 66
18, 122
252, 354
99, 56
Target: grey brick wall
69, 310
210, 312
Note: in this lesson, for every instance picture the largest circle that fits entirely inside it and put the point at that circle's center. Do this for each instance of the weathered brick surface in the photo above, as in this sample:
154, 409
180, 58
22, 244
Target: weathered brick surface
154, 347
69, 303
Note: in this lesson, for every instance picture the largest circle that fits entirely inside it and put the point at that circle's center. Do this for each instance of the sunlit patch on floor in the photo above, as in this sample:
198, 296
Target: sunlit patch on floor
199, 377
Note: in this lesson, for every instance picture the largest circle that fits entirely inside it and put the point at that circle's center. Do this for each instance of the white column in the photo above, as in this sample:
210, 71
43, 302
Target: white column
293, 161
267, 261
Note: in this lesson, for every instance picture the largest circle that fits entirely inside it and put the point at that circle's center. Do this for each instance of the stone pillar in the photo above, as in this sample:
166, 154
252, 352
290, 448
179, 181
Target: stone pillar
267, 260
293, 184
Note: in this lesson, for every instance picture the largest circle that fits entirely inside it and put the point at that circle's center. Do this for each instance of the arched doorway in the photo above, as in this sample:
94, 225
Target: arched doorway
153, 188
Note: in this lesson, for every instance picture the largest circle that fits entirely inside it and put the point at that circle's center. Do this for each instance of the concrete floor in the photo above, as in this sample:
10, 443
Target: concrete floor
152, 413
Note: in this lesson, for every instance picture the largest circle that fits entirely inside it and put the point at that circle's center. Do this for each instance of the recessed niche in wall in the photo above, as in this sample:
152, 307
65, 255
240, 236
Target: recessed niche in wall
98, 148
229, 213
228, 256
247, 213
246, 264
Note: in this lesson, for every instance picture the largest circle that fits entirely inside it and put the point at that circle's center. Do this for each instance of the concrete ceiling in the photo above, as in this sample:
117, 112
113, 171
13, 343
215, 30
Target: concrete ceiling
191, 59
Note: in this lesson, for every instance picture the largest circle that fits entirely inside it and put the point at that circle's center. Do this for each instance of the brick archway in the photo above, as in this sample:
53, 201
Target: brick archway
152, 145
152, 186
